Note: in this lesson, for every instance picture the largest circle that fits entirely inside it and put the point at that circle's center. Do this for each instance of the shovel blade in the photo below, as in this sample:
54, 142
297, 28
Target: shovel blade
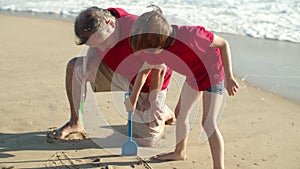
129, 148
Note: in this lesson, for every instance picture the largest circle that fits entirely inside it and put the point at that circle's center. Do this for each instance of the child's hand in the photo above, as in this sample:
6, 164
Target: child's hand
128, 105
231, 86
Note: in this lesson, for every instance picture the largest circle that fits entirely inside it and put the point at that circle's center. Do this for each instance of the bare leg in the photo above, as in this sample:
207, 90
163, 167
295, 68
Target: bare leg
73, 93
73, 89
185, 104
212, 104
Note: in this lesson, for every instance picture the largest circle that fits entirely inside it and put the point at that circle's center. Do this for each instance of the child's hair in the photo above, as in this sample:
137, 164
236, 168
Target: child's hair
88, 22
151, 30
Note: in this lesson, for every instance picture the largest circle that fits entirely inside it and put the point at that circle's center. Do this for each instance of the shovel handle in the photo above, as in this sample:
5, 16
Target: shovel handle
127, 94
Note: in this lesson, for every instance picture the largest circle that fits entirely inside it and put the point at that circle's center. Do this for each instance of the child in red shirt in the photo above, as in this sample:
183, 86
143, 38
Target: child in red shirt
204, 58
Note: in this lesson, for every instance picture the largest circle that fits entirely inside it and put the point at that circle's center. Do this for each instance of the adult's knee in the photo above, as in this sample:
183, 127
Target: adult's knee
71, 64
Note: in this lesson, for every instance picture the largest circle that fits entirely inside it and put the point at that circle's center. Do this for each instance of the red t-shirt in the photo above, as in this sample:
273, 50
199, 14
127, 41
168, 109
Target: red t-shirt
120, 58
192, 56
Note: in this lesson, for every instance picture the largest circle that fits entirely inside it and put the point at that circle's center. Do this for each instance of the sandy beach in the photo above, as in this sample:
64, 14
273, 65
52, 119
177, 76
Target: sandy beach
261, 129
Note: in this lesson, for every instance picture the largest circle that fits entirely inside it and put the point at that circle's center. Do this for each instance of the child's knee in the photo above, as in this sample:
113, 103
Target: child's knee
209, 126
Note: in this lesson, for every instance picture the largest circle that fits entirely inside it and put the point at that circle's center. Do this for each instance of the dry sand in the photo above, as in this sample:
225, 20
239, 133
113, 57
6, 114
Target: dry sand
261, 130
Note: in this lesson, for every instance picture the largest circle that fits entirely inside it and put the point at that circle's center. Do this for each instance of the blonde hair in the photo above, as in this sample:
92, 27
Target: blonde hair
88, 22
151, 30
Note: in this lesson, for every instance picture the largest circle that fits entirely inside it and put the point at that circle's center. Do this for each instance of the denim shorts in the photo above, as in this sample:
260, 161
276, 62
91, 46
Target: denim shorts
218, 88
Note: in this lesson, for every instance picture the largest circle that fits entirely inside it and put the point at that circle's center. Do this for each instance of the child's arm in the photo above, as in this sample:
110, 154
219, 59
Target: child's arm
130, 102
231, 84
151, 104
156, 83
155, 109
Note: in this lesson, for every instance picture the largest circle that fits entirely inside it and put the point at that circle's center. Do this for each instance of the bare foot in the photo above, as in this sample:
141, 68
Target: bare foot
169, 116
170, 121
173, 156
65, 130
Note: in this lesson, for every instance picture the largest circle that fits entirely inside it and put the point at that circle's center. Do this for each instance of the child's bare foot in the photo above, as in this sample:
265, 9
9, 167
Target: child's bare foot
173, 156
65, 130
170, 121
169, 116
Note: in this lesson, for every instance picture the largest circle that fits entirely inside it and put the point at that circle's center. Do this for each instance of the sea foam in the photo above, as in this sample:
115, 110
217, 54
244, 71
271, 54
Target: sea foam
267, 19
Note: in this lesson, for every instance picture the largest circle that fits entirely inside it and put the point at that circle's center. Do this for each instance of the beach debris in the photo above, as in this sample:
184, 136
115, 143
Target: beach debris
9, 167
256, 164
52, 128
97, 160
107, 167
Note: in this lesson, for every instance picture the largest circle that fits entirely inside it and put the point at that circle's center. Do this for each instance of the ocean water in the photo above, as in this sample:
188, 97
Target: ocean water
268, 19
275, 20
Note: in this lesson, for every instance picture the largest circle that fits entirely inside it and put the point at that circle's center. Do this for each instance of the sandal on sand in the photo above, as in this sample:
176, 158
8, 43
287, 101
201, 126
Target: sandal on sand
170, 121
57, 133
54, 134
60, 135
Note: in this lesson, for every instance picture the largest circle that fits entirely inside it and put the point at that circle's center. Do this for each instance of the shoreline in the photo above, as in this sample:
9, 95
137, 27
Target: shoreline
267, 64
260, 129
72, 18
38, 15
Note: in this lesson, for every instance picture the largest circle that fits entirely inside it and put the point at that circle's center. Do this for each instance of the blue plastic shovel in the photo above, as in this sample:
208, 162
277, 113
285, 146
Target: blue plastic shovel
129, 148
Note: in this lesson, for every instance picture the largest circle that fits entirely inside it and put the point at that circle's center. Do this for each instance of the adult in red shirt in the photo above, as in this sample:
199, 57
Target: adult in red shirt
111, 66
204, 58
